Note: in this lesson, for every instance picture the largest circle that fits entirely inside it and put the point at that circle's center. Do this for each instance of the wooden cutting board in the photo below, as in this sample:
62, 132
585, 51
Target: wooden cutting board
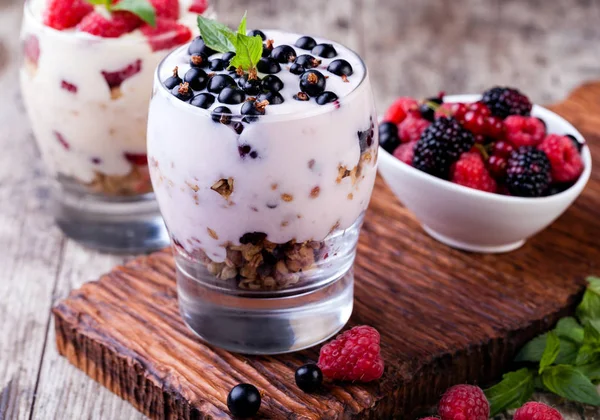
445, 316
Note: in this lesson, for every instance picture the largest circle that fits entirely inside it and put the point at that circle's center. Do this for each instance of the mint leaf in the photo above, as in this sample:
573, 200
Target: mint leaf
242, 25
569, 329
513, 391
570, 383
550, 352
591, 343
533, 351
248, 50
589, 308
141, 8
216, 35
591, 370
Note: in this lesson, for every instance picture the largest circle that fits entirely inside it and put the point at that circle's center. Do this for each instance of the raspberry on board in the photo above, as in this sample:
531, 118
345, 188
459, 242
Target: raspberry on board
565, 160
166, 34
464, 402
528, 172
353, 355
537, 411
505, 101
64, 14
440, 145
405, 152
411, 128
400, 109
524, 131
470, 171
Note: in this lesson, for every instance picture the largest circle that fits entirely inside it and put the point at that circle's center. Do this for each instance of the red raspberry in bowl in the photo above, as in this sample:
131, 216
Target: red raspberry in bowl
411, 128
470, 171
119, 23
353, 356
65, 14
524, 131
464, 402
199, 6
168, 9
166, 34
405, 152
537, 411
565, 161
400, 109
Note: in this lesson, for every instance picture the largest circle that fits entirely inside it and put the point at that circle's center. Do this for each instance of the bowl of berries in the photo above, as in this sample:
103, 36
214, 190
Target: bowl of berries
482, 173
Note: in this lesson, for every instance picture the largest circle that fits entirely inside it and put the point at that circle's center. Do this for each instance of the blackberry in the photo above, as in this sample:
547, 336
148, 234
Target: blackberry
528, 172
440, 145
505, 101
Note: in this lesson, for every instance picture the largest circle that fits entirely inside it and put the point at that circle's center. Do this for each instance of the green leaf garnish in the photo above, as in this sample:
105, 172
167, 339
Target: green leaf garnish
533, 350
513, 391
248, 49
550, 352
141, 8
589, 308
591, 343
570, 383
569, 329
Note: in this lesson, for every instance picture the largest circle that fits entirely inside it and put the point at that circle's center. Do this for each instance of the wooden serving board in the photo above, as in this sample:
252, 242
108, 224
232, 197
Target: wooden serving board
445, 316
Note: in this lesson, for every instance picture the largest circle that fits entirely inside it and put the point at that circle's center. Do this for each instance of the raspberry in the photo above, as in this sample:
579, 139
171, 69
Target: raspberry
565, 160
64, 14
118, 24
440, 146
399, 110
537, 411
446, 109
167, 34
114, 79
524, 131
199, 6
168, 9
405, 152
411, 128
504, 101
464, 402
528, 172
353, 356
470, 171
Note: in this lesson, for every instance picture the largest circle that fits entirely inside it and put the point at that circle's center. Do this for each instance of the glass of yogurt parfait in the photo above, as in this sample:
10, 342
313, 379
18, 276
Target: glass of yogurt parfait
263, 175
86, 80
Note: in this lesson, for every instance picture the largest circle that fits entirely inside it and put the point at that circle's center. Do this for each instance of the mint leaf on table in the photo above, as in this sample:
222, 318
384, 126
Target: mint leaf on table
589, 308
533, 350
591, 343
591, 370
513, 391
570, 383
550, 352
569, 329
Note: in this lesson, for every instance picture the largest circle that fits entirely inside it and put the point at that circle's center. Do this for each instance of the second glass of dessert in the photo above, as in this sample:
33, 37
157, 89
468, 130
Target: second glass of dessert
86, 82
263, 175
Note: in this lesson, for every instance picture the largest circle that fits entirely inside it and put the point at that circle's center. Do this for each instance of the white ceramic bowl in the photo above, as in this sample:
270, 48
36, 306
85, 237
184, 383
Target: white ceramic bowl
474, 220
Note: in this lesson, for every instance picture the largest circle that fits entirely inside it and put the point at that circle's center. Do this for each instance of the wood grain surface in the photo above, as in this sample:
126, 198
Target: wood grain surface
413, 47
449, 317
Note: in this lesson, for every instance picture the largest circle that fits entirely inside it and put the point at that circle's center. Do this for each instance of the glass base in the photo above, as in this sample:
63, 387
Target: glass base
111, 224
265, 323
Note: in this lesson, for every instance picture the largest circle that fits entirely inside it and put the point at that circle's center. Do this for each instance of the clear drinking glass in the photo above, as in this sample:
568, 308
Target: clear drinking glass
264, 213
87, 99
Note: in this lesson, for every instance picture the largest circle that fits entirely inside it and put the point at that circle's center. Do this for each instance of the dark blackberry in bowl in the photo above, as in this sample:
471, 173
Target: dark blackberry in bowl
505, 101
528, 172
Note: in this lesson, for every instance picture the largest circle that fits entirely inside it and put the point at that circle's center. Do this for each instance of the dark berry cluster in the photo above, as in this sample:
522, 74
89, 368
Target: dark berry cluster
492, 145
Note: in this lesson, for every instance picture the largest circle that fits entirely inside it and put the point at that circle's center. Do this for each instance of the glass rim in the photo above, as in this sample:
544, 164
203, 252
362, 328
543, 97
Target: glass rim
312, 112
71, 36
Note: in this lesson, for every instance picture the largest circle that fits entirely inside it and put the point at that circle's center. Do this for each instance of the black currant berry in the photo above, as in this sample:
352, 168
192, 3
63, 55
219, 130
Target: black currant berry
306, 43
268, 65
218, 64
388, 127
307, 61
198, 60
389, 141
219, 82
196, 77
309, 377
427, 112
182, 92
203, 100
175, 80
252, 109
274, 98
199, 47
297, 69
228, 56
250, 86
283, 54
312, 82
271, 83
340, 67
326, 97
232, 96
243, 400
258, 32
221, 114
324, 50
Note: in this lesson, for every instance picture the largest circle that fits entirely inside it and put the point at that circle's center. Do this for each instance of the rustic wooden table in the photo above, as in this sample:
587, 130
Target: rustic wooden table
413, 47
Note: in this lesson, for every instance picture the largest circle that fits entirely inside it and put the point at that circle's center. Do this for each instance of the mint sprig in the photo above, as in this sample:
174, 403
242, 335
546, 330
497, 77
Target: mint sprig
248, 49
141, 8
567, 358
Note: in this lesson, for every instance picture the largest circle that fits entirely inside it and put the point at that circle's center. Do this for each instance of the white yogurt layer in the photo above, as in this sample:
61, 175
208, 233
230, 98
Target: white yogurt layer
98, 125
308, 175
